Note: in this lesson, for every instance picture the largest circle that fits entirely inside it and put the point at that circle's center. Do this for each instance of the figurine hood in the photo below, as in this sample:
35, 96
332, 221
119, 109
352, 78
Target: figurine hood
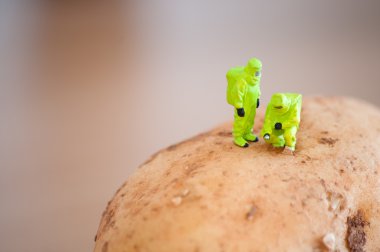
280, 102
254, 64
253, 69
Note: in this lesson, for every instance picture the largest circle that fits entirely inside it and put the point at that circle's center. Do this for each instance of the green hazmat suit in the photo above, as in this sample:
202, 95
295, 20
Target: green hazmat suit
282, 119
243, 93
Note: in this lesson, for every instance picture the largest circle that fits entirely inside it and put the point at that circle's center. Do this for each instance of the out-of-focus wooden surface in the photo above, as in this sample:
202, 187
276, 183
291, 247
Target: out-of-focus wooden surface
89, 89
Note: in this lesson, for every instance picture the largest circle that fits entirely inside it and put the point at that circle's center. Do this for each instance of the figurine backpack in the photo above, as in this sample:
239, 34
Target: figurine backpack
232, 76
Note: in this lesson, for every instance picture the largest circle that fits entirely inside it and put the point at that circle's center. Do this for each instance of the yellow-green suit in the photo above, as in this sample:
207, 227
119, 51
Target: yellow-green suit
243, 92
282, 119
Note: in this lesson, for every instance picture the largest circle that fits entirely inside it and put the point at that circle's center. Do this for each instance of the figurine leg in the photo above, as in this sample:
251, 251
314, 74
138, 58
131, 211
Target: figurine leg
248, 135
290, 137
277, 140
238, 131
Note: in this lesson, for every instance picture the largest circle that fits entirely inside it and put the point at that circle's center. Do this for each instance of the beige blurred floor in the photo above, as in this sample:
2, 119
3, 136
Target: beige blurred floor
89, 89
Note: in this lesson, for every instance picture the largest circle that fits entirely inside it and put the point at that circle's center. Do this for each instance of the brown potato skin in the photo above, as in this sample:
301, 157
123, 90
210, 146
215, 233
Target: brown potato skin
206, 194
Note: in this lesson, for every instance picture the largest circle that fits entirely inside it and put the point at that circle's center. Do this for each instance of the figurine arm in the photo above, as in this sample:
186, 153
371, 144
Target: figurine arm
267, 126
267, 129
239, 94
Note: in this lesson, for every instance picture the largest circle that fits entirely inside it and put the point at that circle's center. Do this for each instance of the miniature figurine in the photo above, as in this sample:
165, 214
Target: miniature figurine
282, 119
243, 92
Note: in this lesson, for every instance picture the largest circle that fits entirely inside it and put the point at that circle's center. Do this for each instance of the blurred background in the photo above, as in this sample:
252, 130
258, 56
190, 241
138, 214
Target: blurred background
90, 89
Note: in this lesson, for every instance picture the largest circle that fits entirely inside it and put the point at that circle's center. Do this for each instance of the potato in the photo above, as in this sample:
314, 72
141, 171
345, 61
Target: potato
205, 194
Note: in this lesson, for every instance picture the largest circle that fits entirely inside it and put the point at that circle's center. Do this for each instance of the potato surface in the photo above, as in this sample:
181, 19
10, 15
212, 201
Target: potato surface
206, 194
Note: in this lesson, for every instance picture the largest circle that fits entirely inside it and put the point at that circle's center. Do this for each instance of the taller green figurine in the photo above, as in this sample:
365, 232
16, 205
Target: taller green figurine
243, 92
282, 119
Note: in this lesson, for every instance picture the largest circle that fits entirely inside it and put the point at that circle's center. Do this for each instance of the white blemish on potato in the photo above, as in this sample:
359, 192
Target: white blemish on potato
336, 201
329, 241
177, 200
185, 192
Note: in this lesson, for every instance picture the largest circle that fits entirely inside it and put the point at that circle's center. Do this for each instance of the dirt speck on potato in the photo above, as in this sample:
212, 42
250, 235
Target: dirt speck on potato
328, 140
356, 236
225, 133
108, 216
172, 147
150, 159
251, 213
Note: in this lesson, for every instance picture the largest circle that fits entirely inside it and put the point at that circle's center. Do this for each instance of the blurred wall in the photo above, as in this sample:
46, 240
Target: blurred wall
90, 89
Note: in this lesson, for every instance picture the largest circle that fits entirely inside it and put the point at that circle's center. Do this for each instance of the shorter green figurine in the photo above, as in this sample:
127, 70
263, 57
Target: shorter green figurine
282, 119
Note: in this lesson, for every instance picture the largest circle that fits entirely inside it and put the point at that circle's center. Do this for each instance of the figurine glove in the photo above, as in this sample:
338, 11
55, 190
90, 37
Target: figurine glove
240, 112
258, 103
266, 136
278, 126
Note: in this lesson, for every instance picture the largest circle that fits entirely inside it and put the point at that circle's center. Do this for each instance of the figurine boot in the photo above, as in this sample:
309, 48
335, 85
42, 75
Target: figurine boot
239, 141
290, 137
240, 124
277, 139
251, 137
